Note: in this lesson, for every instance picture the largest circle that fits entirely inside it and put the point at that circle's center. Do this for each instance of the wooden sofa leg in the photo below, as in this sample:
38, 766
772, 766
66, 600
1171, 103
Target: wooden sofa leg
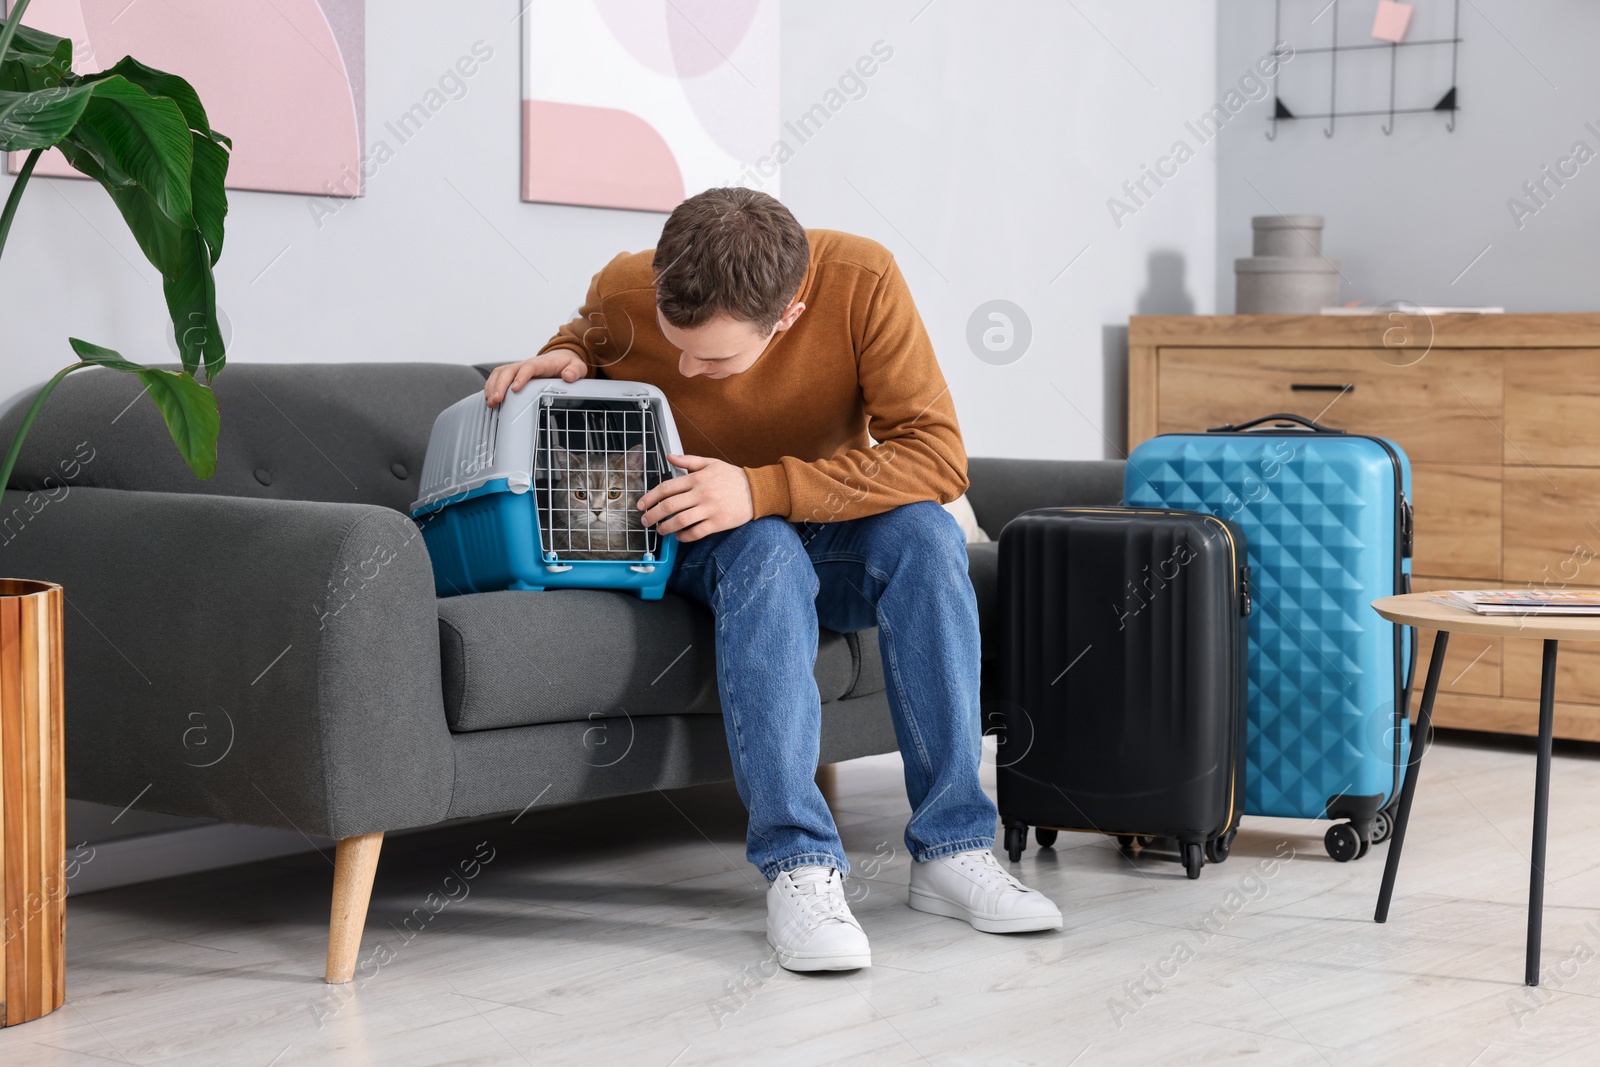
355, 864
828, 781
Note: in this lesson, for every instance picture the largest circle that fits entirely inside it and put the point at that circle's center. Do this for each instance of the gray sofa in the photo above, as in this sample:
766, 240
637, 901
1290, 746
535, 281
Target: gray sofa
266, 647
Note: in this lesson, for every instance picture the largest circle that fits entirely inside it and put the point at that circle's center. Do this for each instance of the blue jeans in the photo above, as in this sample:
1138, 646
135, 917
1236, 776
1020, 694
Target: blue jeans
771, 583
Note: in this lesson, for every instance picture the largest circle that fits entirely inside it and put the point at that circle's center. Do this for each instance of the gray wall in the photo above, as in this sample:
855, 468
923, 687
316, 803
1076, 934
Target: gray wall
982, 153
1408, 214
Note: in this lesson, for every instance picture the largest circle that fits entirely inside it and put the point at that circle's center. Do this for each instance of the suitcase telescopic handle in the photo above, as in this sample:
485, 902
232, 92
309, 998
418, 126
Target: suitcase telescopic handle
1299, 420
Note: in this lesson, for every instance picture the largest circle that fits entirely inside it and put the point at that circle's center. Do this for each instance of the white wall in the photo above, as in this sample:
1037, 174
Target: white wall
988, 144
1408, 214
412, 271
982, 153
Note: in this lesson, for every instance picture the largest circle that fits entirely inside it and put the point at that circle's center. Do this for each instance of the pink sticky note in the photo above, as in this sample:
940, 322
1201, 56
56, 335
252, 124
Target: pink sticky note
1392, 20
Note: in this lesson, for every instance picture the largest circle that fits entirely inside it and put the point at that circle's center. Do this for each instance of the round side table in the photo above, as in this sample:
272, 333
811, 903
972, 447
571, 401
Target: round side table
1420, 609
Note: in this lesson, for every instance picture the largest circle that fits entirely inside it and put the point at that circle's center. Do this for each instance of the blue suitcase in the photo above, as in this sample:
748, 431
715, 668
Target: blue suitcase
1328, 521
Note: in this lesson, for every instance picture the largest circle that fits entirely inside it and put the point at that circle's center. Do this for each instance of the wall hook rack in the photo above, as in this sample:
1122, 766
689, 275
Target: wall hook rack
1447, 103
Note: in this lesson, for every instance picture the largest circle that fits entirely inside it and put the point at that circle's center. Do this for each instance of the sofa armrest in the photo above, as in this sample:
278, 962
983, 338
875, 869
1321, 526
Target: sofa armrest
272, 662
1002, 489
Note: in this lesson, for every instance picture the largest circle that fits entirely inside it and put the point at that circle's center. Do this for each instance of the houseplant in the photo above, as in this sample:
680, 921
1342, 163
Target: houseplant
143, 135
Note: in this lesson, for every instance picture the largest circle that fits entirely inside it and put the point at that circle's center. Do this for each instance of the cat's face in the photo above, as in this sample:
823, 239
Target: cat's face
596, 497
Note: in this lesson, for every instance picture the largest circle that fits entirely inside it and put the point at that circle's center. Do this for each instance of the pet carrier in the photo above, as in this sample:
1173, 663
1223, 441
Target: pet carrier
541, 492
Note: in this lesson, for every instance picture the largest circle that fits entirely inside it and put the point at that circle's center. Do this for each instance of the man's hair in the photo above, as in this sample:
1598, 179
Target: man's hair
730, 250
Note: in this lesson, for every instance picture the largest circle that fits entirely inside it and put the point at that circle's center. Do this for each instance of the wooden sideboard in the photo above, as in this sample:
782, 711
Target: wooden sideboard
1500, 415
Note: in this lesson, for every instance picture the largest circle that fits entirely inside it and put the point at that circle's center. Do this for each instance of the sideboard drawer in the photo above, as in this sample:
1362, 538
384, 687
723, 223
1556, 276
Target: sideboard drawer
1577, 670
1458, 521
1552, 407
1446, 408
1552, 527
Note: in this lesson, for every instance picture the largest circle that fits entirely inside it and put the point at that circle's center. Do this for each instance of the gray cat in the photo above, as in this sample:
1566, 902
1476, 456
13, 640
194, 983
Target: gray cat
594, 504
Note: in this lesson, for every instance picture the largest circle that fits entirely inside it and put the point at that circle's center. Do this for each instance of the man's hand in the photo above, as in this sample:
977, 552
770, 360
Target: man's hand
561, 363
712, 497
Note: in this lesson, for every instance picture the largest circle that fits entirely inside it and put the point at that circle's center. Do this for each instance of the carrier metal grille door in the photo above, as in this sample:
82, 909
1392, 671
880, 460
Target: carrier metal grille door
593, 460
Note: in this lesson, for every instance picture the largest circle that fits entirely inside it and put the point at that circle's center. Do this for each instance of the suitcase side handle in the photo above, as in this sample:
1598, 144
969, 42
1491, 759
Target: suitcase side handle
1299, 420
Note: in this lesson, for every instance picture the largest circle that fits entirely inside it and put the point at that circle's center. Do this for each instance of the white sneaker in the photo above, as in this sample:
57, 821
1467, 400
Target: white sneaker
809, 923
973, 886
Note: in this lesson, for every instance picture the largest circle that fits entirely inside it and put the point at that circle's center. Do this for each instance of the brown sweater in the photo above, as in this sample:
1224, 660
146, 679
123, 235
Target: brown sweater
856, 361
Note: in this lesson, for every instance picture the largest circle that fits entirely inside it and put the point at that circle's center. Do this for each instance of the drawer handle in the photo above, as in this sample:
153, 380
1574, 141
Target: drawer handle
1314, 387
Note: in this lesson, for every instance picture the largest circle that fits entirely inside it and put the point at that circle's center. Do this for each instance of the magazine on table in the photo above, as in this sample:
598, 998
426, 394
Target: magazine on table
1523, 601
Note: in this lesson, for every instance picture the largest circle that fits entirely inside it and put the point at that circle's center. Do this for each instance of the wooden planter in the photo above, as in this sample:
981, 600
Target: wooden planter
33, 884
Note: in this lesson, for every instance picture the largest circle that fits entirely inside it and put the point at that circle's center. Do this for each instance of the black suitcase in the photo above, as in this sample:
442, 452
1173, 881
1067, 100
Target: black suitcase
1123, 677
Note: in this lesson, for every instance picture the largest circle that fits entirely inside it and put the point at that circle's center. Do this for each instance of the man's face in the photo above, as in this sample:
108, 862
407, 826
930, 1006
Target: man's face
722, 346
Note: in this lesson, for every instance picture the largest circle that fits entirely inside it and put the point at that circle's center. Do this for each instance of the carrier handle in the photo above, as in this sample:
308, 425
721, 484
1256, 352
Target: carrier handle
1300, 420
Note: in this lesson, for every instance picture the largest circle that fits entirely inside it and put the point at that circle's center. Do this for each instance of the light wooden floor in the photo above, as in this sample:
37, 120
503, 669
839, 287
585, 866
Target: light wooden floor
630, 932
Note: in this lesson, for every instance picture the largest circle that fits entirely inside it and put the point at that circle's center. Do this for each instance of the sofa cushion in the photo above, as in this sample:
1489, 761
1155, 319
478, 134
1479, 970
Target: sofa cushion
520, 658
867, 662
347, 432
1002, 489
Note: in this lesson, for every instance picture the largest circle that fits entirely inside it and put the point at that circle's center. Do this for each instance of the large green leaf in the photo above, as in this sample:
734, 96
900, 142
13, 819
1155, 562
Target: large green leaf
101, 356
29, 41
156, 234
160, 83
192, 301
147, 138
90, 142
35, 60
189, 408
180, 254
208, 190
41, 117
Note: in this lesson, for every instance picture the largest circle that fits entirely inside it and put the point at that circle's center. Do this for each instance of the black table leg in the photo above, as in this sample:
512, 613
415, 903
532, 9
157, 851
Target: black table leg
1424, 725
1541, 809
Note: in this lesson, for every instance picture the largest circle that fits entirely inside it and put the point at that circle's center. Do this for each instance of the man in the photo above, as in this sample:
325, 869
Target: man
781, 350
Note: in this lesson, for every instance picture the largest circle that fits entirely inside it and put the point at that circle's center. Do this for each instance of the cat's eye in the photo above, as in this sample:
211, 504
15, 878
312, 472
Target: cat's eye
613, 493
580, 494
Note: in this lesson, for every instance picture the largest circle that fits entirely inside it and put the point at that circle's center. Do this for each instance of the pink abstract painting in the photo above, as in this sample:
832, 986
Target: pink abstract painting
639, 103
284, 78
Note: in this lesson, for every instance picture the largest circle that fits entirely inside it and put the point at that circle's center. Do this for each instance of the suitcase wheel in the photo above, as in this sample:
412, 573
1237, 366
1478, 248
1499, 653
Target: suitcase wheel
1345, 843
1193, 859
1046, 837
1217, 848
1382, 827
1016, 841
